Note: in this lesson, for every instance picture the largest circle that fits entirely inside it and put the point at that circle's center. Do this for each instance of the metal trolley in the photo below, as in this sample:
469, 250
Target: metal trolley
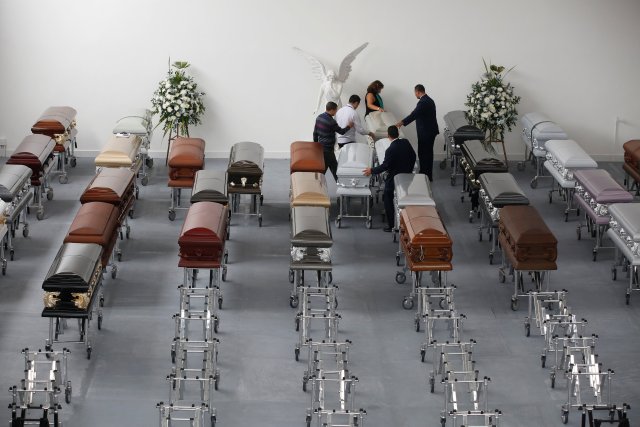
457, 130
537, 129
624, 232
139, 124
353, 184
15, 190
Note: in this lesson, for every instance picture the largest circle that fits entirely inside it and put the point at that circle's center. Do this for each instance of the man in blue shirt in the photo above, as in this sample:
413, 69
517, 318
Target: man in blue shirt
325, 131
399, 158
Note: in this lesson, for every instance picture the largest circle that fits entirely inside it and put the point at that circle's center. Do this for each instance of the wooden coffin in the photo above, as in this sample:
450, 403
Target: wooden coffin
96, 222
120, 151
203, 233
310, 227
307, 156
423, 237
14, 179
55, 121
185, 159
524, 235
73, 279
632, 152
246, 164
309, 189
115, 186
35, 152
210, 186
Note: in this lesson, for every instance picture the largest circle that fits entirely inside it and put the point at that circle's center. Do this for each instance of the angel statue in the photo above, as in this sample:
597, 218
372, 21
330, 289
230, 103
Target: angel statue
331, 87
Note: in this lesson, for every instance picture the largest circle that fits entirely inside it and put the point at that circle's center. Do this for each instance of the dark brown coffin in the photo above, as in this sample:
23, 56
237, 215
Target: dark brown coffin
55, 121
525, 238
245, 170
203, 233
306, 156
35, 151
423, 237
112, 185
185, 159
96, 222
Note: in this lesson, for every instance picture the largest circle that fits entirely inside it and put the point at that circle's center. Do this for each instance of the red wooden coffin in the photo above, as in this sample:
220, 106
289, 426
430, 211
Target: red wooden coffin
526, 239
204, 232
112, 185
185, 159
306, 157
55, 121
96, 222
423, 237
632, 158
35, 151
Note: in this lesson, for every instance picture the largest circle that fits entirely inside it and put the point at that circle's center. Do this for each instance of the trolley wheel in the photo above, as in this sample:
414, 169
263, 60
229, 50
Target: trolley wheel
520, 166
401, 277
216, 382
73, 162
128, 232
423, 354
101, 300
452, 180
40, 215
119, 256
330, 277
478, 214
28, 210
566, 217
595, 255
144, 181
432, 385
368, 223
114, 272
296, 353
100, 322
11, 254
224, 274
395, 236
173, 356
292, 276
172, 215
579, 233
308, 420
470, 217
213, 420
130, 213
293, 301
149, 162
534, 183
550, 197
261, 200
297, 323
50, 194
304, 383
63, 179
219, 303
89, 353
627, 298
480, 235
338, 222
67, 393
259, 221
564, 416
216, 325
543, 360
553, 379
417, 323
4, 270
614, 273
514, 303
461, 199
443, 164
442, 303
407, 303
397, 260
502, 276
490, 259
443, 421
527, 329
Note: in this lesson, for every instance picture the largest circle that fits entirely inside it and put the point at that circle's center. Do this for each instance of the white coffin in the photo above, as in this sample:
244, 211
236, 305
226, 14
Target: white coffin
565, 156
352, 161
626, 217
381, 149
138, 123
537, 129
378, 123
413, 190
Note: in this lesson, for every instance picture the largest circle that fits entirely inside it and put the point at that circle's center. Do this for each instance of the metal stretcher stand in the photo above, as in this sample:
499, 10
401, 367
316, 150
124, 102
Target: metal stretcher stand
352, 183
537, 129
595, 189
186, 158
244, 177
15, 190
36, 152
139, 124
59, 123
563, 159
624, 232
457, 130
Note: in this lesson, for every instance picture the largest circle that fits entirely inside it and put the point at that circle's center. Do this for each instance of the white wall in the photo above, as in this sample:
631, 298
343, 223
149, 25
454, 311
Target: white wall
577, 61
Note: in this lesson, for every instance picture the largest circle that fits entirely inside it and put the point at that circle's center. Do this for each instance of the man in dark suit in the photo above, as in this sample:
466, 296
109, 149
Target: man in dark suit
399, 158
427, 127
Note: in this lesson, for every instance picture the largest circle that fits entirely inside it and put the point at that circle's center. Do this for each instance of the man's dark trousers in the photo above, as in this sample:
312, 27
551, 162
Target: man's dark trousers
387, 198
425, 153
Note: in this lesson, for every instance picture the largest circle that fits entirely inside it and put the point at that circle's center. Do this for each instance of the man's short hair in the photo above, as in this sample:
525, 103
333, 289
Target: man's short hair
354, 98
393, 132
419, 88
331, 106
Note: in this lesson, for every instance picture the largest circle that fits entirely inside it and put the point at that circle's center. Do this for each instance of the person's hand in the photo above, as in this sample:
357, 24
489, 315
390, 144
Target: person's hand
350, 125
399, 124
381, 110
367, 172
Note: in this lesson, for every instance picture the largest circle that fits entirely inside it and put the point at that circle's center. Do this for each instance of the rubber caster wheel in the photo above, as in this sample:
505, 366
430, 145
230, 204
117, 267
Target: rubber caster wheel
216, 325
304, 384
338, 223
527, 329
119, 256
543, 361
63, 179
566, 217
432, 385
293, 301
550, 198
490, 259
565, 416
579, 233
40, 215
128, 232
50, 195
330, 277
25, 231
114, 273
130, 213
11, 254
470, 219
443, 164
452, 180
149, 162
260, 222
401, 278
297, 323
144, 181
627, 298
614, 273
407, 303
296, 353
397, 260
4, 270
368, 224
28, 210
417, 324
514, 304
219, 303
216, 386
99, 322
553, 380
423, 354
73, 162
534, 183
101, 301
67, 394
595, 256
291, 276
89, 353
172, 215
479, 235
224, 274
502, 276
395, 238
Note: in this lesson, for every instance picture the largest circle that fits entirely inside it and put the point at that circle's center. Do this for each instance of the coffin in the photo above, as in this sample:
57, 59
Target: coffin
595, 190
35, 151
13, 180
120, 151
526, 239
203, 232
185, 159
96, 222
210, 186
134, 124
309, 189
563, 157
72, 281
537, 129
352, 161
378, 122
423, 237
55, 121
625, 224
246, 163
478, 160
5, 211
307, 157
310, 227
501, 189
632, 152
381, 149
114, 186
458, 129
412, 189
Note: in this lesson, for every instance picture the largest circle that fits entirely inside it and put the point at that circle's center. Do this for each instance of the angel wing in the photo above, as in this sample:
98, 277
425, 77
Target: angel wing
345, 66
317, 67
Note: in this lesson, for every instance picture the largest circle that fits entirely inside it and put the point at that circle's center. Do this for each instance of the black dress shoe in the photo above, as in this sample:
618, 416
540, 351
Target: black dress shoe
387, 229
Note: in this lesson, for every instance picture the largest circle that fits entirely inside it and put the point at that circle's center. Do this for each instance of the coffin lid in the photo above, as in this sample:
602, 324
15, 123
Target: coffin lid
73, 266
12, 180
570, 154
526, 226
112, 181
502, 189
353, 159
209, 184
309, 189
61, 114
540, 127
247, 155
35, 145
602, 186
423, 222
310, 227
413, 189
204, 221
628, 217
137, 123
460, 128
93, 218
476, 154
306, 156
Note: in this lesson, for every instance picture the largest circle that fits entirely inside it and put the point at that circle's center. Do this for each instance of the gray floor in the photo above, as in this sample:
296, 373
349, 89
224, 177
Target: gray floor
261, 382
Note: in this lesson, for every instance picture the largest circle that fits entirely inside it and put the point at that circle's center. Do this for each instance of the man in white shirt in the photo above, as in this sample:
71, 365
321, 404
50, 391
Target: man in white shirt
346, 115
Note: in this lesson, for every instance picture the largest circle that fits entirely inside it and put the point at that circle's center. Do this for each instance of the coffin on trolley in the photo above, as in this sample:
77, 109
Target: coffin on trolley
59, 123
210, 186
457, 130
121, 151
352, 183
115, 186
15, 185
307, 156
410, 190
185, 159
624, 231
537, 129
204, 232
424, 239
310, 240
595, 189
246, 165
309, 189
631, 164
378, 122
135, 124
35, 152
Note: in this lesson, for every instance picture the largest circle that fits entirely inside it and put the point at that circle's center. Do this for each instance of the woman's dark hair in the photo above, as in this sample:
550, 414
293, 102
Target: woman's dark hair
375, 87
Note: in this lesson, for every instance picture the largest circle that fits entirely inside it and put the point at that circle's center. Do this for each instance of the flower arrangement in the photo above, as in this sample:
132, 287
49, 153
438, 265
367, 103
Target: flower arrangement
177, 100
492, 104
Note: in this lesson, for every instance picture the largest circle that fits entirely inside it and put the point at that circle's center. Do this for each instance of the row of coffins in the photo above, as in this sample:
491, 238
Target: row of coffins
194, 350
